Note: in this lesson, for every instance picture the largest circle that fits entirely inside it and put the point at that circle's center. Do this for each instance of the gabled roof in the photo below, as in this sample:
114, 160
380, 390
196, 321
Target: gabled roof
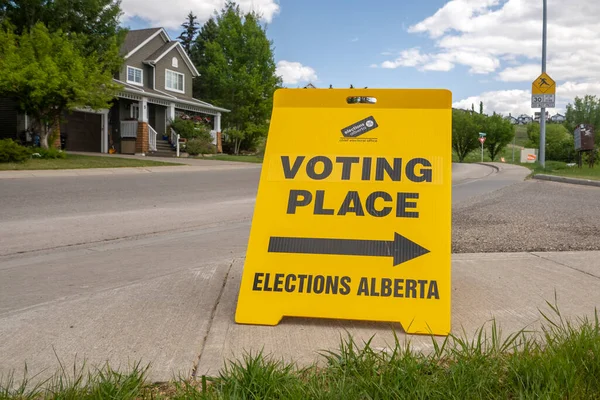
166, 48
136, 39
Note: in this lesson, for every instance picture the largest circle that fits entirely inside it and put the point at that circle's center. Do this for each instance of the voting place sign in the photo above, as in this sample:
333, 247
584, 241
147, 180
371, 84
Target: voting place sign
353, 212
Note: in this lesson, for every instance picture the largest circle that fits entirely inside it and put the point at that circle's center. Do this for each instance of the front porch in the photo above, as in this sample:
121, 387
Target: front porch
140, 124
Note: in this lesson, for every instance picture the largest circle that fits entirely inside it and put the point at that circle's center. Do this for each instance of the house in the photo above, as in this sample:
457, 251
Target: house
538, 116
156, 80
558, 118
310, 86
512, 119
524, 119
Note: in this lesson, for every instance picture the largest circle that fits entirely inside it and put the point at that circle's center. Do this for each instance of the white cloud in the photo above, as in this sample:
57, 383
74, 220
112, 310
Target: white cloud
505, 36
173, 14
293, 73
502, 39
517, 102
353, 40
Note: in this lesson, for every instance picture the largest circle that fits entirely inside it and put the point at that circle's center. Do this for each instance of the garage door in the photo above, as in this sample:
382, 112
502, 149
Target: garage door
83, 131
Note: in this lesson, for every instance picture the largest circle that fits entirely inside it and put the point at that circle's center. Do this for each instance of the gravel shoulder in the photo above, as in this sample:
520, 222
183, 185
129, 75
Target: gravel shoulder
529, 216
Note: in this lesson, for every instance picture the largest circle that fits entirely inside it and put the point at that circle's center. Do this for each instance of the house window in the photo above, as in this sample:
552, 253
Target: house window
134, 75
174, 81
175, 62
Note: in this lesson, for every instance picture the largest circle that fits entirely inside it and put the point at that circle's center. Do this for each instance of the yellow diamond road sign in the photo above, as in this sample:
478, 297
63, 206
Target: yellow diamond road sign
543, 85
353, 212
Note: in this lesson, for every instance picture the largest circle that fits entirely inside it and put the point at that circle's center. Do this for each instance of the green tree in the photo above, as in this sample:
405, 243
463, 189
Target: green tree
49, 74
585, 110
559, 141
481, 107
499, 133
190, 29
238, 65
205, 87
465, 131
95, 21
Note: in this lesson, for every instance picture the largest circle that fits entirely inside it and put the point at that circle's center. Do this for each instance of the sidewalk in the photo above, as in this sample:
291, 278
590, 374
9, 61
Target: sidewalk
184, 321
510, 287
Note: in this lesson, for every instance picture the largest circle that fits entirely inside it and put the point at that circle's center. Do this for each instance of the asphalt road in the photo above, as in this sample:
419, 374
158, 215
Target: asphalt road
114, 267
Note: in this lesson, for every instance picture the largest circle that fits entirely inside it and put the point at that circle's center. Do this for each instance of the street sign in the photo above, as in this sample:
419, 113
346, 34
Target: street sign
353, 213
584, 137
543, 92
481, 134
482, 139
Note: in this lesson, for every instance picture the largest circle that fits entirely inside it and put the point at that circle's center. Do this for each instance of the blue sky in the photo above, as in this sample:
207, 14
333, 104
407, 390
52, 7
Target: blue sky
486, 50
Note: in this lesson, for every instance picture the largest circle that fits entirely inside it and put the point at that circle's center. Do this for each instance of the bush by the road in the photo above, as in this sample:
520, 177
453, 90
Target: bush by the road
559, 142
199, 146
48, 154
11, 151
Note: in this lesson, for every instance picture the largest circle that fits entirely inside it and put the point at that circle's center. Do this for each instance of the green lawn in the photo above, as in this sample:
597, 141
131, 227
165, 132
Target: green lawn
521, 138
75, 161
475, 156
561, 169
230, 157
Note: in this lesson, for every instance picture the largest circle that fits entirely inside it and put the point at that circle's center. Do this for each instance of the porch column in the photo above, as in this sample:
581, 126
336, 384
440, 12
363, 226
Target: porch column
104, 142
141, 143
218, 141
171, 112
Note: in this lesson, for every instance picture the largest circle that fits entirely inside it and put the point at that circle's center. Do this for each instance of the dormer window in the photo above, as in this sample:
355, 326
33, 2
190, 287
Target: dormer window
135, 76
175, 62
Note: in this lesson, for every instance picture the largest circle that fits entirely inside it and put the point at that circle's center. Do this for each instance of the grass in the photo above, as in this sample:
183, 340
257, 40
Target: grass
562, 360
76, 161
561, 169
240, 158
475, 156
521, 138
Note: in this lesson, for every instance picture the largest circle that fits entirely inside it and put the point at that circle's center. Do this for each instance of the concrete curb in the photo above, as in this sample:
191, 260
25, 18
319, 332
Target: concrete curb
494, 166
562, 179
20, 174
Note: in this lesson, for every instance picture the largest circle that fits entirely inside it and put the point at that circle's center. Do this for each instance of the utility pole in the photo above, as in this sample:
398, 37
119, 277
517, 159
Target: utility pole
543, 110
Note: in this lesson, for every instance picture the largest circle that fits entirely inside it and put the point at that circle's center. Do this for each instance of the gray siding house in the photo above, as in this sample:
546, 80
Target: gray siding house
156, 80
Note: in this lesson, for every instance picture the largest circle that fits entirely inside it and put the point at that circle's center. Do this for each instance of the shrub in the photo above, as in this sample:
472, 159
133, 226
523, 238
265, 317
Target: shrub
11, 151
48, 154
199, 146
189, 129
559, 142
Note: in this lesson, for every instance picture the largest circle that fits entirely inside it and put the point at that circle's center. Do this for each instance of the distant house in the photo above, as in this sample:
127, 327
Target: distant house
558, 118
512, 119
538, 115
524, 119
310, 86
156, 80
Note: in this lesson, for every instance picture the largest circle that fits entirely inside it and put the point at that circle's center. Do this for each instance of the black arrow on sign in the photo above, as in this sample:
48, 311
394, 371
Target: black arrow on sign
401, 248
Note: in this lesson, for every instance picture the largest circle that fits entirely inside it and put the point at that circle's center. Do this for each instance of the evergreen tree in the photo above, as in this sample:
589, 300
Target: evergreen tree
237, 68
189, 33
205, 87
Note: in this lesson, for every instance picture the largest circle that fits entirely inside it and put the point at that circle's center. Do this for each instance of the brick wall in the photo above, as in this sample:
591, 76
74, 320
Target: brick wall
141, 143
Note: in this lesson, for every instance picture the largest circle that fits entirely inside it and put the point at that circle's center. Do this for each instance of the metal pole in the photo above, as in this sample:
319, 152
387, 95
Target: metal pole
514, 144
481, 151
543, 110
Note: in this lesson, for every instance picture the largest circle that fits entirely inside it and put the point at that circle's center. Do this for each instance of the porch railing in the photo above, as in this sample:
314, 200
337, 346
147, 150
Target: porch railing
175, 140
129, 129
152, 138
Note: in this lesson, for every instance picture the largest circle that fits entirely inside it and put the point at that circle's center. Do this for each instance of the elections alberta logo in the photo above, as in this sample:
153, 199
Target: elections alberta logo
351, 133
